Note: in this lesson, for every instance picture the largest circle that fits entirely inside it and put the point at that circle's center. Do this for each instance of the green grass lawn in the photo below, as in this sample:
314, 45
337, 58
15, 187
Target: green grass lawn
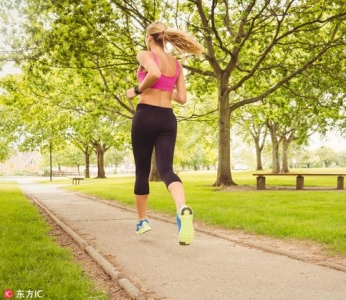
30, 261
317, 215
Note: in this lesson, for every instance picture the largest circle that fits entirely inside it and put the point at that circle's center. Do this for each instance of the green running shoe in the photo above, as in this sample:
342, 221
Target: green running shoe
143, 226
185, 226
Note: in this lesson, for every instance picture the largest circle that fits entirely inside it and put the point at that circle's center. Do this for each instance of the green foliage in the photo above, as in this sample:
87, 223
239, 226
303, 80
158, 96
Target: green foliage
195, 146
4, 149
33, 120
196, 140
80, 57
70, 156
327, 156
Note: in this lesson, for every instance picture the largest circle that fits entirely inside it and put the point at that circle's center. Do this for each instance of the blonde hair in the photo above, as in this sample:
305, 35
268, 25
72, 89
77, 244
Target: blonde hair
181, 41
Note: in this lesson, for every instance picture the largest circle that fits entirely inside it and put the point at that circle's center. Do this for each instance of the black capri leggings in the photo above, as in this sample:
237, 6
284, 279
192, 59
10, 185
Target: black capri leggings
153, 126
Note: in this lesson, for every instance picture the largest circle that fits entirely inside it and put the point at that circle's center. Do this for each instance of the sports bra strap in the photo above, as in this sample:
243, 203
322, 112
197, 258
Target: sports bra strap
165, 83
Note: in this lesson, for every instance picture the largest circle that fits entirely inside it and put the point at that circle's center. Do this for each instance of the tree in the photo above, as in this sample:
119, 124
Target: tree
341, 158
85, 148
196, 139
115, 158
6, 130
75, 46
31, 124
251, 120
262, 46
326, 155
69, 157
299, 109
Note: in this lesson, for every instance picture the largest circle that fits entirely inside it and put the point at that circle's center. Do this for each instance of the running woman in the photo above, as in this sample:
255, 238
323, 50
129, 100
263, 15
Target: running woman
154, 125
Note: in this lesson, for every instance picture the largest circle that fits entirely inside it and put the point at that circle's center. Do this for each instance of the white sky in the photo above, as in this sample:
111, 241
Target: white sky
332, 140
14, 18
9, 68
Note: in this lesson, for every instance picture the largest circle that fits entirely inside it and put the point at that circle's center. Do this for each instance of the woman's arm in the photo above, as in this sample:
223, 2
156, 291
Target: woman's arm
147, 61
180, 94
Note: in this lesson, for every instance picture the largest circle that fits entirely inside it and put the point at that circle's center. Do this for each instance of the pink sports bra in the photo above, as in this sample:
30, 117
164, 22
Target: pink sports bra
164, 83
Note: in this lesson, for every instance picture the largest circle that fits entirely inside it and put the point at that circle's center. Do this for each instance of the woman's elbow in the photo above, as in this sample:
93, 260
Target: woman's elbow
182, 100
155, 75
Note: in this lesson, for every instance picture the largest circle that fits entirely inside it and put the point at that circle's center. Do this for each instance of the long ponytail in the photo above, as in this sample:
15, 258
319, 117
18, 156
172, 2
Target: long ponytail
182, 42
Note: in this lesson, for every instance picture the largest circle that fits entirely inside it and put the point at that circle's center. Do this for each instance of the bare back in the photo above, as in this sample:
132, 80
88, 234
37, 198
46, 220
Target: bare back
167, 66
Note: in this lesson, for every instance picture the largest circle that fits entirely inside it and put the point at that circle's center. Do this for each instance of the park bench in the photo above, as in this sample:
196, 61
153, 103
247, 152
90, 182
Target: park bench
76, 179
261, 179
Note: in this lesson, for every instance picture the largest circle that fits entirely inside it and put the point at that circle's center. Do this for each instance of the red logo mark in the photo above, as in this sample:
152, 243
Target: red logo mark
8, 294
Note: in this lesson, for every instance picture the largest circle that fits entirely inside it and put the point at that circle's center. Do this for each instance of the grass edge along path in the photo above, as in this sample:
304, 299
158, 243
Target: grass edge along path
314, 215
32, 265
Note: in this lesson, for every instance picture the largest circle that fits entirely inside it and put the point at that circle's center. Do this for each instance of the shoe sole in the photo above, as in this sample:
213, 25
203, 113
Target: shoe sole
143, 230
187, 232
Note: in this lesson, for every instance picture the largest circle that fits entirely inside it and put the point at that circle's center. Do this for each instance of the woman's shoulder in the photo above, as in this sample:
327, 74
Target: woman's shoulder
144, 54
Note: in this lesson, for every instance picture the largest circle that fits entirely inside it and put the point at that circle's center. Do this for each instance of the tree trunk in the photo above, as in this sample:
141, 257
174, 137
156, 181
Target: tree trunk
259, 166
275, 147
87, 163
100, 164
154, 174
286, 142
259, 135
100, 151
224, 176
275, 157
87, 152
285, 168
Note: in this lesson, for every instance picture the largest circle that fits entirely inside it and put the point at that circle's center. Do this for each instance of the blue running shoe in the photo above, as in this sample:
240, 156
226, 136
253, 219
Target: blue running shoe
185, 226
143, 226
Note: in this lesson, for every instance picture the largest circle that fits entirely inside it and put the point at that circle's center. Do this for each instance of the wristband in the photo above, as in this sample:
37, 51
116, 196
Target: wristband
137, 92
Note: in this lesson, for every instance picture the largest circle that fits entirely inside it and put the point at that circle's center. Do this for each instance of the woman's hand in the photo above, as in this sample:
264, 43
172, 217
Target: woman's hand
130, 94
